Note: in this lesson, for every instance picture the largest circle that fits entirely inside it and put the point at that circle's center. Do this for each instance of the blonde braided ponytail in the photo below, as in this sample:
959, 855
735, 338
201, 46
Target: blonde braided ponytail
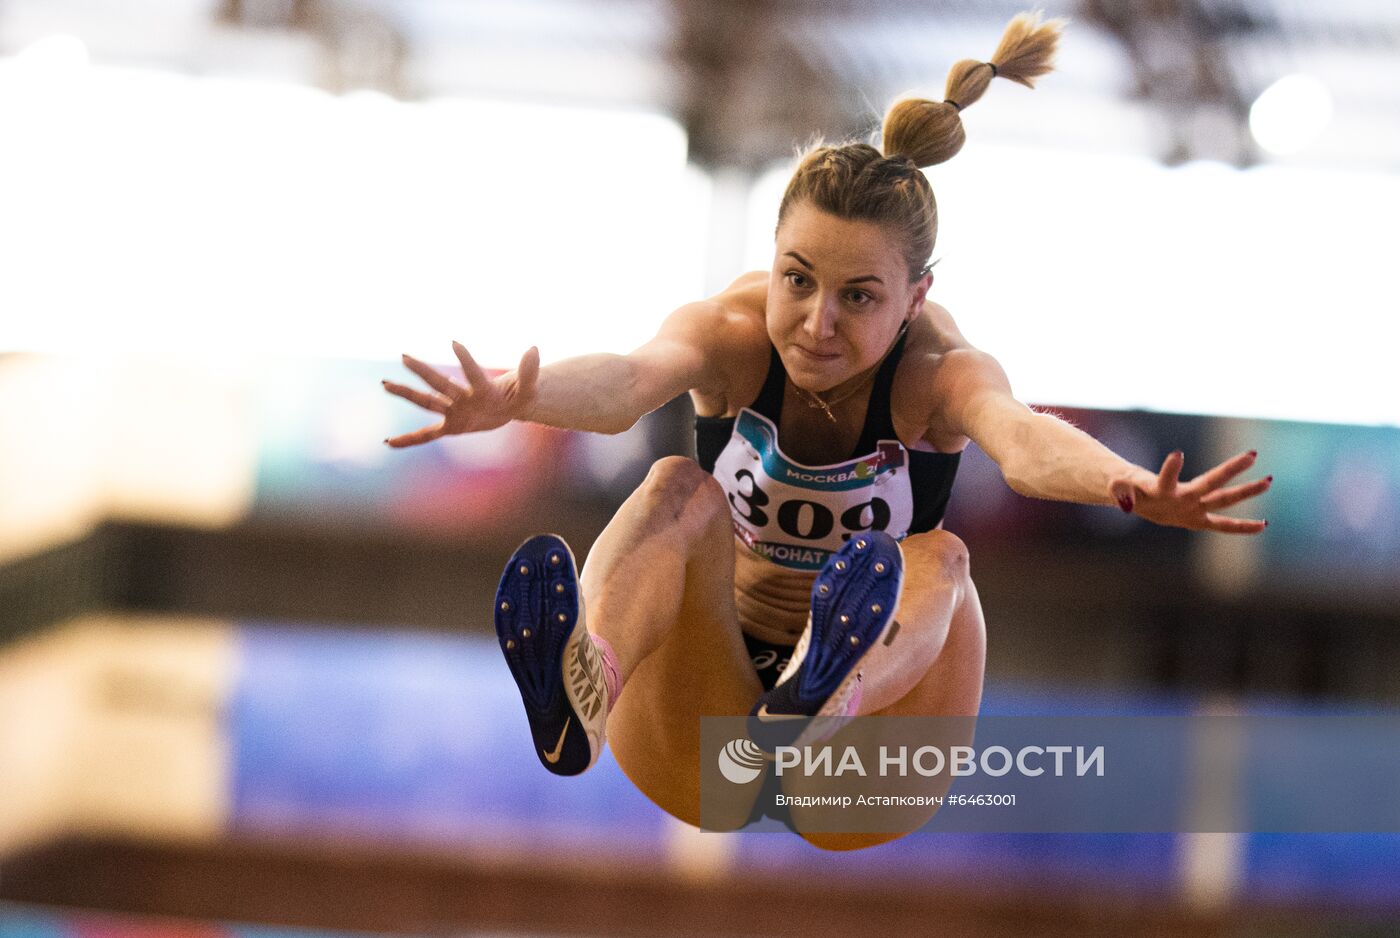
930, 132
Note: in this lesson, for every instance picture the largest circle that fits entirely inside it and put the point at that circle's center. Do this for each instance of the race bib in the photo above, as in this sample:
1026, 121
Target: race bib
796, 515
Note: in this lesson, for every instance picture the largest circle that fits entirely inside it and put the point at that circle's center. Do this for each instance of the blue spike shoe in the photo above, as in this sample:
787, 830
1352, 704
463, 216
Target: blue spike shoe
540, 625
853, 603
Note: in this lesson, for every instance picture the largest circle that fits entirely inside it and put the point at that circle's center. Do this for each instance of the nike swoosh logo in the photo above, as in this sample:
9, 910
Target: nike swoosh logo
763, 714
553, 757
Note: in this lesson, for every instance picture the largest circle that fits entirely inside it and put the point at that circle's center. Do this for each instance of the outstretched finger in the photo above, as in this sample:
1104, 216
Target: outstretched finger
1224, 498
1170, 473
475, 376
1212, 479
1234, 525
434, 378
425, 435
433, 402
529, 371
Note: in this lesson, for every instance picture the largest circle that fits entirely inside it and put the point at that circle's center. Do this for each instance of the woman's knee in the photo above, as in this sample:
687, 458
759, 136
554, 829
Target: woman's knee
938, 550
680, 491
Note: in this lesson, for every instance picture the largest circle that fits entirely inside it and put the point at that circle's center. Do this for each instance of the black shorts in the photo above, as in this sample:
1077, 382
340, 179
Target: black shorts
768, 659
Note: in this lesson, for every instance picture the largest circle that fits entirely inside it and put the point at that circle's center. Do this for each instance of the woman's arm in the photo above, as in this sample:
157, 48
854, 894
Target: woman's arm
608, 393
602, 393
1041, 456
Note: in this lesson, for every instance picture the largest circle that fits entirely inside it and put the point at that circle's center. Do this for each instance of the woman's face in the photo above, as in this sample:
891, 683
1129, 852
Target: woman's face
837, 296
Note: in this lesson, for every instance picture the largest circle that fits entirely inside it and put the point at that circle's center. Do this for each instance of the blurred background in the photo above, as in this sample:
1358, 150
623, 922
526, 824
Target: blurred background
246, 674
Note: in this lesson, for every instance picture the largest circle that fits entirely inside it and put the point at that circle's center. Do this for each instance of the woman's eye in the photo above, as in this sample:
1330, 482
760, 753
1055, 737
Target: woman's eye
796, 279
859, 297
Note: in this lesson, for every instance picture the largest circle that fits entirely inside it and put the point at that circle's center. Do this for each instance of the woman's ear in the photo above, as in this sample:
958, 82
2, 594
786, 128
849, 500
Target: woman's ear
916, 300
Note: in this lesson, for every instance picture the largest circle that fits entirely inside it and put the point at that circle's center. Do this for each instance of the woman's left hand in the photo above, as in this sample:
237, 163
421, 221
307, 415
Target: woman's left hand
1164, 499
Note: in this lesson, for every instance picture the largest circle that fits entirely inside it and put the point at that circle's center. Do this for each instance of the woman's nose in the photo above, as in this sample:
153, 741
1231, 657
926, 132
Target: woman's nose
820, 322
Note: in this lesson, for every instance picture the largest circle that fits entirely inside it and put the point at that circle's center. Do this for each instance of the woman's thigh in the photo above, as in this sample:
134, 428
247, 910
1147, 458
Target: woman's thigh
954, 640
937, 578
701, 666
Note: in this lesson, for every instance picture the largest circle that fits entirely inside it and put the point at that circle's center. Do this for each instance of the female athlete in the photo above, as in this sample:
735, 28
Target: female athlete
833, 402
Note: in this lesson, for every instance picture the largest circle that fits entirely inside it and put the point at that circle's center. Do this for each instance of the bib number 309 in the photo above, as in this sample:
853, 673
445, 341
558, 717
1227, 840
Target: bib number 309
804, 519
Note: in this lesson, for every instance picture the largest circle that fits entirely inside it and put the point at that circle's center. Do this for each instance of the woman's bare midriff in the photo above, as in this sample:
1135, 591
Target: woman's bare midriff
772, 601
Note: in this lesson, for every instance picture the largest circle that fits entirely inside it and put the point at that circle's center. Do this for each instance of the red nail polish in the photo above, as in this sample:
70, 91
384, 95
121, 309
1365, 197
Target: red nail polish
1125, 503
1266, 522
1254, 452
1268, 478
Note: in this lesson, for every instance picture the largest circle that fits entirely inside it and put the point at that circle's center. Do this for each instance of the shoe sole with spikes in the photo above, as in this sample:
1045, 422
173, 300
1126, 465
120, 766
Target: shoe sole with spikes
540, 625
853, 603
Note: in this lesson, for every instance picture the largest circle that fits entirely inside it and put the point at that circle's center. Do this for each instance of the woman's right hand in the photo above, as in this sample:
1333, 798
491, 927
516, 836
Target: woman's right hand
482, 404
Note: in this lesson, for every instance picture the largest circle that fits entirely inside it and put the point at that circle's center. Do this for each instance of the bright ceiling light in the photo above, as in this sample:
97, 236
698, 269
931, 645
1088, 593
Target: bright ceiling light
1290, 114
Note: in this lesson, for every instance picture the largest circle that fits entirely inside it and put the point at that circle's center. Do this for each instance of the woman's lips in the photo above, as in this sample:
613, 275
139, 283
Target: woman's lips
817, 356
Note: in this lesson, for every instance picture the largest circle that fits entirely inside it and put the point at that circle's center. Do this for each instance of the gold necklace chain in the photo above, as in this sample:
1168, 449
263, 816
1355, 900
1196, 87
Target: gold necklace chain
815, 401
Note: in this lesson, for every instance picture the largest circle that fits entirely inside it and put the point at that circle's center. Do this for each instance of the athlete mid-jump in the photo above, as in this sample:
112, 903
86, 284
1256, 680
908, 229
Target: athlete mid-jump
833, 404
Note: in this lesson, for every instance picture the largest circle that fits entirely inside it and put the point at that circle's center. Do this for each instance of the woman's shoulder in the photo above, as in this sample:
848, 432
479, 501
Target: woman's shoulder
738, 339
733, 317
933, 338
737, 314
917, 398
747, 296
934, 333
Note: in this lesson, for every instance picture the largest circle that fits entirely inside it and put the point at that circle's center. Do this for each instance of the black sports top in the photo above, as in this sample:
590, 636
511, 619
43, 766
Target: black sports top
794, 514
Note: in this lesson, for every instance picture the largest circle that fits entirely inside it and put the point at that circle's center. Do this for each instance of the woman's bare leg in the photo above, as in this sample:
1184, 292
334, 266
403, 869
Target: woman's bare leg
658, 585
939, 611
935, 664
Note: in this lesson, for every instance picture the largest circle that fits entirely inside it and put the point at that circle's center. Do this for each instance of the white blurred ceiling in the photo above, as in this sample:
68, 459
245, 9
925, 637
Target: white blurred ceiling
748, 79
